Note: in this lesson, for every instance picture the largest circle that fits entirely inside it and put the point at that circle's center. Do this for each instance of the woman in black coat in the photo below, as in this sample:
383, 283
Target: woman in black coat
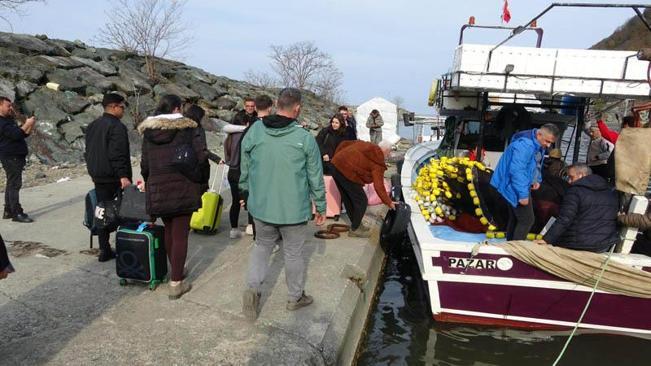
173, 187
329, 138
5, 265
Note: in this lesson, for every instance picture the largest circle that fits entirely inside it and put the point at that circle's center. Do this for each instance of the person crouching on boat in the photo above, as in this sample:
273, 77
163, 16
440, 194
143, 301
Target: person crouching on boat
357, 163
588, 214
518, 172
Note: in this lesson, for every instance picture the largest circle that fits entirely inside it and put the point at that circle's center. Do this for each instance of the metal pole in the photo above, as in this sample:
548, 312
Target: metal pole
580, 121
482, 121
520, 29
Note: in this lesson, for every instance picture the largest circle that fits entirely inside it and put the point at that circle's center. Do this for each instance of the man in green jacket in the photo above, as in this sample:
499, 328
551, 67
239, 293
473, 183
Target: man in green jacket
281, 175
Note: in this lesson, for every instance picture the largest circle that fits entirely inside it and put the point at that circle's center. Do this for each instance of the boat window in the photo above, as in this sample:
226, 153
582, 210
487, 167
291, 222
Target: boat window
493, 140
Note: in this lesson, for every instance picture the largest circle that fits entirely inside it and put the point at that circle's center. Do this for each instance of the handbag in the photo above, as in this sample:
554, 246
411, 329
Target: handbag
133, 206
107, 214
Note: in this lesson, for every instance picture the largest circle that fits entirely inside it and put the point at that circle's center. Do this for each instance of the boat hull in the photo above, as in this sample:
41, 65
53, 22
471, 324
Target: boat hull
483, 284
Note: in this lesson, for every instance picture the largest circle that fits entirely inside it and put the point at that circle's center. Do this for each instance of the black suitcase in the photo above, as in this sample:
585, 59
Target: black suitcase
140, 254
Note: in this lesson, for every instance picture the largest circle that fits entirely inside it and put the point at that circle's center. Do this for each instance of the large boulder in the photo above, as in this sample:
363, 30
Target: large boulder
188, 75
57, 62
76, 128
54, 106
90, 77
206, 92
180, 90
7, 89
67, 80
102, 67
17, 66
134, 79
140, 107
29, 45
226, 102
24, 88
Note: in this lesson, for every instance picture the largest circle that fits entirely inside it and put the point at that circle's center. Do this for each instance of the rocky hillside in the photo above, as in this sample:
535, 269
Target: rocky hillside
631, 36
83, 73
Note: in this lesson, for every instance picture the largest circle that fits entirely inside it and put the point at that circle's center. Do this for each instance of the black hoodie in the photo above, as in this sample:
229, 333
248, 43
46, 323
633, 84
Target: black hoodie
277, 121
588, 216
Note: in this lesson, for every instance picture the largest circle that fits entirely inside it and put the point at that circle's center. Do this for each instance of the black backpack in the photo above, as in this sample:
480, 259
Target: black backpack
89, 214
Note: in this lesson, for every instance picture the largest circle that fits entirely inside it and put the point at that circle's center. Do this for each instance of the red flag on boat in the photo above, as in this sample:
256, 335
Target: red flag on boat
506, 14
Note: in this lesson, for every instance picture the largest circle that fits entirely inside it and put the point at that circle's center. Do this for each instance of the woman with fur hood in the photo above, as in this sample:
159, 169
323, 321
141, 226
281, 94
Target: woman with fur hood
173, 185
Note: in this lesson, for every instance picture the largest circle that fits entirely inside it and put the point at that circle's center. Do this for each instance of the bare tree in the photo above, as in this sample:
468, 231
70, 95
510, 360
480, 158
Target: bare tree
302, 65
13, 6
150, 28
261, 79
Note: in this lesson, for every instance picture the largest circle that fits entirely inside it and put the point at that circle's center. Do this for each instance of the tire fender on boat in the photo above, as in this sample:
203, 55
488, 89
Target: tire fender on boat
395, 224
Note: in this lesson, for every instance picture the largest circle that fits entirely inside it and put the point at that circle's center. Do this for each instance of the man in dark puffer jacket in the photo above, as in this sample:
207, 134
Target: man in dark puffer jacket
588, 214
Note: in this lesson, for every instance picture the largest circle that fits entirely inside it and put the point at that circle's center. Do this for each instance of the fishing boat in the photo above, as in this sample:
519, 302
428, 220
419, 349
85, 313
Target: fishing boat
469, 275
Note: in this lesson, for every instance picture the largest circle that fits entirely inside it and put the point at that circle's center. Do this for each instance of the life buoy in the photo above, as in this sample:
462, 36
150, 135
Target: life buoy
395, 224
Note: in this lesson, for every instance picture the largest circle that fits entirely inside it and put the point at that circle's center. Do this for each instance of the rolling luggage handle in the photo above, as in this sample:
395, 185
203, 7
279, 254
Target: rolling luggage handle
221, 182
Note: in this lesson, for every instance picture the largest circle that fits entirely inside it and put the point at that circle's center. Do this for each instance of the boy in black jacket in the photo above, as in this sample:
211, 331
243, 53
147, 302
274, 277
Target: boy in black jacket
13, 154
108, 159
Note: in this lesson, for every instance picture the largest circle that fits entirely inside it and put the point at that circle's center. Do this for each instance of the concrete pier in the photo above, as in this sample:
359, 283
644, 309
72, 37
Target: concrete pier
63, 307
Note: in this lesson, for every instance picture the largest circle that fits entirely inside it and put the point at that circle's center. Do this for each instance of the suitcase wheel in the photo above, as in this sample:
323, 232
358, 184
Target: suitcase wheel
123, 282
152, 286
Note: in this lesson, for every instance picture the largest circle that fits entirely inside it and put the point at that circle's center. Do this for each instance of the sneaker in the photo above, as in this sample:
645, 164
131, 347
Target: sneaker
235, 233
250, 303
363, 227
249, 229
176, 291
22, 217
304, 301
106, 255
359, 233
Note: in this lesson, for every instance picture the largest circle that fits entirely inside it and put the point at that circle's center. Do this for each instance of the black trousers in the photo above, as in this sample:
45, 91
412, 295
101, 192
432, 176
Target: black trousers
521, 219
352, 196
234, 214
13, 166
105, 192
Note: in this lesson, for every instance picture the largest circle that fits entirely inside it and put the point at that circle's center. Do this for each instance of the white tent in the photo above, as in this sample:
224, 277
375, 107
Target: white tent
389, 113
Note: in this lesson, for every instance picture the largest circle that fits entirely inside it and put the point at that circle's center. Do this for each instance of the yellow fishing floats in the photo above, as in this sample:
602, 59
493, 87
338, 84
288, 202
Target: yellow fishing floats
435, 193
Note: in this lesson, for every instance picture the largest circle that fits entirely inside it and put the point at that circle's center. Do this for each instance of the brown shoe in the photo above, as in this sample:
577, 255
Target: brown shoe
177, 291
250, 303
304, 301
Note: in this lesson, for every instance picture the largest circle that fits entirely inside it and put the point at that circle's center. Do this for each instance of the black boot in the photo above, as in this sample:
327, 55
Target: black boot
106, 255
7, 215
22, 217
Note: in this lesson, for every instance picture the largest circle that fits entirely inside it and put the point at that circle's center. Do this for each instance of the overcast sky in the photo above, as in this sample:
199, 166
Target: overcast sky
384, 48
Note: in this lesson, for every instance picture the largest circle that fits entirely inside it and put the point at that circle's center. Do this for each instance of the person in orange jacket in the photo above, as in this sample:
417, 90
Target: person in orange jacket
357, 163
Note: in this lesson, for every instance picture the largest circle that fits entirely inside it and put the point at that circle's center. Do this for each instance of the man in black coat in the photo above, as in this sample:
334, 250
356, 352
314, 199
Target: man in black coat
588, 214
13, 155
108, 159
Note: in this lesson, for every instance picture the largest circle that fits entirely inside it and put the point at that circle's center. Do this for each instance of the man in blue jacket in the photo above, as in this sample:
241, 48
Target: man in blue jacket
13, 154
518, 172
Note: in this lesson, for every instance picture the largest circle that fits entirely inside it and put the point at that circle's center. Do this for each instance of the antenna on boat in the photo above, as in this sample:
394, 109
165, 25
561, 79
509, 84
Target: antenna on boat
533, 22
